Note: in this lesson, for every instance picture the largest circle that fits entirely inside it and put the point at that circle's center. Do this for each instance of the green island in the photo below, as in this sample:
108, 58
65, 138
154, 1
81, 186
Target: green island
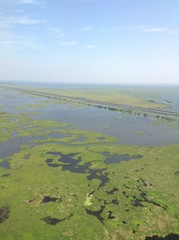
63, 182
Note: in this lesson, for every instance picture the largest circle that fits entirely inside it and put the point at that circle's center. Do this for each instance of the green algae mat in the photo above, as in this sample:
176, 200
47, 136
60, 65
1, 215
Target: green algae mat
65, 183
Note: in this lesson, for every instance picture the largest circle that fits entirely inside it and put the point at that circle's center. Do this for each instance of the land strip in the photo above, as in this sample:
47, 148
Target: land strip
102, 104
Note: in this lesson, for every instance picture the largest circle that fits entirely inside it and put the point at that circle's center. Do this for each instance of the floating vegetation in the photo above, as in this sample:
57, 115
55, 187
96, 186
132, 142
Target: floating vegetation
140, 133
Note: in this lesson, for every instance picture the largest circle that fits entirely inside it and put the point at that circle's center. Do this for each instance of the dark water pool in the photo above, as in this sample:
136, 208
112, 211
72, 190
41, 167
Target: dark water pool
68, 163
116, 158
168, 237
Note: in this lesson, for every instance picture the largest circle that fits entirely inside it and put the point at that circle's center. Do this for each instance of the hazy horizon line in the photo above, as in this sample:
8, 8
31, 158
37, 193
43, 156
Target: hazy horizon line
85, 83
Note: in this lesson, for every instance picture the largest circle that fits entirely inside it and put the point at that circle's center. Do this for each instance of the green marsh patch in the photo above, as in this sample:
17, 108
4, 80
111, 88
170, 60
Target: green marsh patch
138, 198
66, 183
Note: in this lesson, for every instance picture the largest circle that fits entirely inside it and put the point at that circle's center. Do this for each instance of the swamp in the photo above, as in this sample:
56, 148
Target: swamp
87, 162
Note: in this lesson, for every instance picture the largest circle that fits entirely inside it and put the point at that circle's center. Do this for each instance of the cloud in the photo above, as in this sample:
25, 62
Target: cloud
84, 1
159, 30
25, 20
39, 3
6, 42
111, 29
28, 1
16, 41
90, 46
31, 43
155, 29
63, 38
9, 21
36, 2
58, 31
88, 28
68, 43
139, 28
174, 31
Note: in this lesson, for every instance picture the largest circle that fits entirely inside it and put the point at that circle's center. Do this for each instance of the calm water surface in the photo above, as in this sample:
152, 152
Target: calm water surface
128, 129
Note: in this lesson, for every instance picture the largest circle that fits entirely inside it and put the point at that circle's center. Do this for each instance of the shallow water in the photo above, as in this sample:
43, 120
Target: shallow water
115, 158
10, 147
15, 143
128, 129
123, 126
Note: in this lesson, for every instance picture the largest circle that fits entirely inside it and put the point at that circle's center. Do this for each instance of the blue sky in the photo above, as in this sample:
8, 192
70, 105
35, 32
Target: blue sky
89, 41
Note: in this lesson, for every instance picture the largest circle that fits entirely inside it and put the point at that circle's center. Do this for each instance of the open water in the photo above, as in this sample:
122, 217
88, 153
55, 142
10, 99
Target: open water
127, 128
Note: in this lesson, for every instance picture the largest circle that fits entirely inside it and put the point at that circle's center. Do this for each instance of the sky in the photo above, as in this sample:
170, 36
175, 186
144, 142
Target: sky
90, 41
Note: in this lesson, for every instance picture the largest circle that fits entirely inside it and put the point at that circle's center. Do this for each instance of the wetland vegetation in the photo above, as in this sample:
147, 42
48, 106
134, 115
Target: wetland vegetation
65, 176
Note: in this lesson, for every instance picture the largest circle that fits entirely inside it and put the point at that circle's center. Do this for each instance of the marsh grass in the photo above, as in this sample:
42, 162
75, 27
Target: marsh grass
140, 198
127, 200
